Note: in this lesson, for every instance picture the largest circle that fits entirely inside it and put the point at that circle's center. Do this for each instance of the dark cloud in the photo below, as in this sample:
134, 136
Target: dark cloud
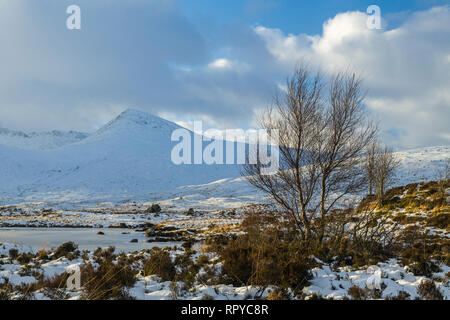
122, 56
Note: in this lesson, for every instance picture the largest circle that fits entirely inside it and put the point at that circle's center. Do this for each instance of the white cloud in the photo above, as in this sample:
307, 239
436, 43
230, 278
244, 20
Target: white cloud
404, 69
223, 64
220, 64
288, 49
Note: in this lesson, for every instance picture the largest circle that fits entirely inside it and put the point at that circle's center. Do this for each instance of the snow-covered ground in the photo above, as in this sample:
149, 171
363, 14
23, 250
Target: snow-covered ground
394, 279
325, 283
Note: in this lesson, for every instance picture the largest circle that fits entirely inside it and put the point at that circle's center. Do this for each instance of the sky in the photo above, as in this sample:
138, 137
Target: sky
220, 61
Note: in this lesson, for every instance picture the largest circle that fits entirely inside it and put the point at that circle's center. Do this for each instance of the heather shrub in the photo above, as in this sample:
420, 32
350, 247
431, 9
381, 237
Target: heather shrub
5, 291
279, 294
160, 264
42, 255
427, 290
13, 253
216, 243
67, 250
24, 258
104, 254
202, 260
357, 293
419, 252
187, 269
5, 295
402, 295
441, 220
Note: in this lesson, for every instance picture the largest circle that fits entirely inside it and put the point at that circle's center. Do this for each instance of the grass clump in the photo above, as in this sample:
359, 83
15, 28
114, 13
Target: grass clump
108, 281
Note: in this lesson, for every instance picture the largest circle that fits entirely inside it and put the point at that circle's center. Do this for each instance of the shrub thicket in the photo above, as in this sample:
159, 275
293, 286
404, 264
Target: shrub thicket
265, 255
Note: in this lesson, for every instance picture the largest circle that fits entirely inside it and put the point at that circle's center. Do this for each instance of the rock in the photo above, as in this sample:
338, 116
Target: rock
121, 225
158, 239
148, 225
190, 212
150, 232
155, 208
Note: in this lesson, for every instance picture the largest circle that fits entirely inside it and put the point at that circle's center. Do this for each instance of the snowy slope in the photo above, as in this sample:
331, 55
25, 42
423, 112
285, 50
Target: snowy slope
39, 140
422, 164
416, 165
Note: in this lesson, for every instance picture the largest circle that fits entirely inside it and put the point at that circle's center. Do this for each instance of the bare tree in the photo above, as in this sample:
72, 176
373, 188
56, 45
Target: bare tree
384, 170
370, 165
322, 135
442, 177
347, 133
296, 116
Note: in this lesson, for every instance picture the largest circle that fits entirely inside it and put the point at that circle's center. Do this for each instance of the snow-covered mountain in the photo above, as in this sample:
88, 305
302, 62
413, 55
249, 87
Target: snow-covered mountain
39, 140
128, 157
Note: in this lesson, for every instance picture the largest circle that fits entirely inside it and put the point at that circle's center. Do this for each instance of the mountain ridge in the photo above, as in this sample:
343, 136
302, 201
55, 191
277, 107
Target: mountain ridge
43, 140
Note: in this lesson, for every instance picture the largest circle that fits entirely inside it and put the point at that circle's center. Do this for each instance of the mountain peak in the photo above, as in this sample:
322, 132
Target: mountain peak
134, 113
132, 119
142, 118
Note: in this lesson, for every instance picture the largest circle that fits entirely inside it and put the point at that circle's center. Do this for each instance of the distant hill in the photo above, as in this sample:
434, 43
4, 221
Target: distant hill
39, 140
